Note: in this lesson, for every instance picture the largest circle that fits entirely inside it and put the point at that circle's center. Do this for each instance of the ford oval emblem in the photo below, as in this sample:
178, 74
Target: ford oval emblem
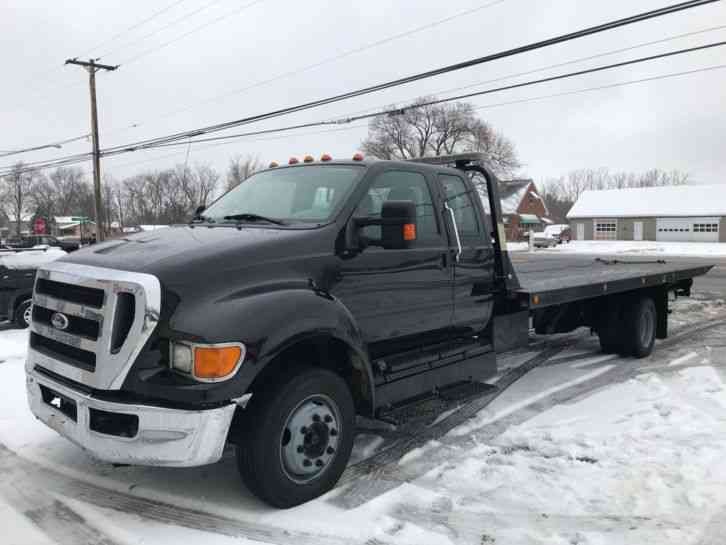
59, 321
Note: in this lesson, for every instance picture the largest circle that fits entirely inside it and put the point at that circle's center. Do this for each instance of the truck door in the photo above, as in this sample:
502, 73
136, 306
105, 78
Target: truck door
474, 270
400, 298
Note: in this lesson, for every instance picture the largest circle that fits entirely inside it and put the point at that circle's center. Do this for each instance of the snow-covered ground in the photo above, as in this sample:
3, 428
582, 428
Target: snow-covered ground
32, 258
586, 449
627, 247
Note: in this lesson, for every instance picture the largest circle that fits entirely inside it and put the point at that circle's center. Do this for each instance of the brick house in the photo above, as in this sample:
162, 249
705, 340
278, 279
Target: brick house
522, 208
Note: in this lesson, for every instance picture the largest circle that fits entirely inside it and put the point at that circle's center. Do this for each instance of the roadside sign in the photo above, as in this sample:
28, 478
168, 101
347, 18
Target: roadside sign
39, 226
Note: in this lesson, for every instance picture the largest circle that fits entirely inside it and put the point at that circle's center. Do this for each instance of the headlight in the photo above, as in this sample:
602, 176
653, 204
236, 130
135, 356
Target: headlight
207, 362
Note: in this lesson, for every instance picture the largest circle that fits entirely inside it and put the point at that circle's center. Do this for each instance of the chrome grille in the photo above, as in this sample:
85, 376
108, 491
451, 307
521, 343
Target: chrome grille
108, 315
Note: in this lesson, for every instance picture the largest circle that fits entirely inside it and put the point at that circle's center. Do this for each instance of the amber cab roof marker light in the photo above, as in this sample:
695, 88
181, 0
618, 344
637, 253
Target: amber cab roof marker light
274, 164
309, 159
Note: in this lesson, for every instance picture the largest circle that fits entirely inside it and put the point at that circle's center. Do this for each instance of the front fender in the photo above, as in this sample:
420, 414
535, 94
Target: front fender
268, 323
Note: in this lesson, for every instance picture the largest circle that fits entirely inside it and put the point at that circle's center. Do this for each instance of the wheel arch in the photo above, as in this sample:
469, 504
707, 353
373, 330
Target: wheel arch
328, 350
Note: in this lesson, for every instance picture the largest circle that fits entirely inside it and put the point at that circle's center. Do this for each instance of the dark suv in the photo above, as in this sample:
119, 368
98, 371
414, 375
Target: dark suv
28, 241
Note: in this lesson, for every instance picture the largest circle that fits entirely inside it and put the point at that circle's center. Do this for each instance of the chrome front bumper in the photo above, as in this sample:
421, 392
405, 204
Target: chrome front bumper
165, 437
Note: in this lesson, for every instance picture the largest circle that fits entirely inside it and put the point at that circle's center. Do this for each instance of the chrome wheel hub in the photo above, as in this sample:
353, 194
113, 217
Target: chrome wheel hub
310, 438
28, 315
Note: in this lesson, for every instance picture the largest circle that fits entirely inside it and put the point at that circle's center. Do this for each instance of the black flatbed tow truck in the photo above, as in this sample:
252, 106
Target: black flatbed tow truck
309, 294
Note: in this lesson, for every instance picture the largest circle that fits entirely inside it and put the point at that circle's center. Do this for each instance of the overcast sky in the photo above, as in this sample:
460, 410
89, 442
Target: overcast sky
199, 78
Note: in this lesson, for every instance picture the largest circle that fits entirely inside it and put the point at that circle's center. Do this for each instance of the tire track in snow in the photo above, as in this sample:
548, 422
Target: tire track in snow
38, 491
50, 514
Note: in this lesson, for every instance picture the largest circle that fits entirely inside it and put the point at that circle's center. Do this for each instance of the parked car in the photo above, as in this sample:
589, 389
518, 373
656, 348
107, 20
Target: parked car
542, 240
29, 241
17, 276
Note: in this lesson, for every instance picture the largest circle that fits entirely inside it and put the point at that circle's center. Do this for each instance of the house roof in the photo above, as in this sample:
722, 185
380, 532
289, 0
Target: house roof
511, 193
673, 201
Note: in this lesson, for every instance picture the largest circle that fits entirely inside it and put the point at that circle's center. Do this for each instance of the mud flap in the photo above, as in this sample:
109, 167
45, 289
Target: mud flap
511, 331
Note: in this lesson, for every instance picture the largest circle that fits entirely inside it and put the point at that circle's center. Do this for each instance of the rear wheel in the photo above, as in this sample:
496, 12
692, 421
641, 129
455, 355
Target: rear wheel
639, 327
24, 314
295, 437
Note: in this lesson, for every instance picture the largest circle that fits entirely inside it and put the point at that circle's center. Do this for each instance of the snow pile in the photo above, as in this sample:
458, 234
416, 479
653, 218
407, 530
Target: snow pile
30, 259
625, 247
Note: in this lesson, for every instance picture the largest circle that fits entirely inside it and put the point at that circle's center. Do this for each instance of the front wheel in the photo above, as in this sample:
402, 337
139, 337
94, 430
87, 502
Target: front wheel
24, 314
295, 437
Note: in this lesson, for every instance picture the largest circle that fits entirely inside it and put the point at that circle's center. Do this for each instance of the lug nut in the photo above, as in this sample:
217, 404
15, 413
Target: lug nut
301, 449
316, 418
307, 463
330, 450
333, 432
319, 463
328, 418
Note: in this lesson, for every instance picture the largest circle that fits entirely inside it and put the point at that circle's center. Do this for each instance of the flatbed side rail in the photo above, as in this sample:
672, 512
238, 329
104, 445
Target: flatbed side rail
535, 297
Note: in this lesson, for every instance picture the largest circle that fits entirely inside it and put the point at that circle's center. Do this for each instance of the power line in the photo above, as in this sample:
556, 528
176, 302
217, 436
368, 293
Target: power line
560, 64
343, 55
56, 145
458, 66
160, 29
402, 109
139, 24
509, 76
428, 74
194, 30
81, 158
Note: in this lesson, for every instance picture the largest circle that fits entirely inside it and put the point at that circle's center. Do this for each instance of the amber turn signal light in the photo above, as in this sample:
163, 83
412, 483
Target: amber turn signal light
409, 231
218, 362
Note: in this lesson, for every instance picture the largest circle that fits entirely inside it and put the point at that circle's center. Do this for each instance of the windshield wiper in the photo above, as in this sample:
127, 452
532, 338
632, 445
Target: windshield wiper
202, 219
254, 217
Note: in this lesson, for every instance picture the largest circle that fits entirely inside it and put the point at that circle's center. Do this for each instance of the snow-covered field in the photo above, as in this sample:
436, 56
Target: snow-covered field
585, 449
627, 247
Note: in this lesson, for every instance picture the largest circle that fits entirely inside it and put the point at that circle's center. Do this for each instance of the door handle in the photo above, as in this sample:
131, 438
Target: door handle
456, 231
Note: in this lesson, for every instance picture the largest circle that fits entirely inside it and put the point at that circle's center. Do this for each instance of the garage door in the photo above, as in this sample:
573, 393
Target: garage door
687, 229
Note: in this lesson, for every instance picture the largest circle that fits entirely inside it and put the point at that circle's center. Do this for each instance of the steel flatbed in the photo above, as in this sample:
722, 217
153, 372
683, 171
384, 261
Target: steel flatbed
547, 280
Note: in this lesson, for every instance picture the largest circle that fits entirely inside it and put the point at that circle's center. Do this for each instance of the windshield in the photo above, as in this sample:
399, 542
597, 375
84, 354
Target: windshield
300, 194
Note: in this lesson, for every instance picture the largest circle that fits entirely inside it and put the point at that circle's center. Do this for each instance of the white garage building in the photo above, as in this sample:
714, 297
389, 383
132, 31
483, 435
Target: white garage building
687, 213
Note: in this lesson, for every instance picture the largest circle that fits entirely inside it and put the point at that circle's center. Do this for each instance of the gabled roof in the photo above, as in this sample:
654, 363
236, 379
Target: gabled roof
511, 193
673, 201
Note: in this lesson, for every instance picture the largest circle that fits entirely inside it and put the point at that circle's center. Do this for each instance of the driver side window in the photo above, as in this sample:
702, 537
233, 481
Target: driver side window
399, 185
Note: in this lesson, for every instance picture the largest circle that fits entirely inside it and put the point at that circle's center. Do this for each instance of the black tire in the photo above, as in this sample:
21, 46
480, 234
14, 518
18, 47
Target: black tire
264, 436
639, 324
22, 314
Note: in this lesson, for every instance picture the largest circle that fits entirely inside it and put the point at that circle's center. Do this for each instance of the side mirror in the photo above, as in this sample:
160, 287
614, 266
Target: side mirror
398, 226
201, 208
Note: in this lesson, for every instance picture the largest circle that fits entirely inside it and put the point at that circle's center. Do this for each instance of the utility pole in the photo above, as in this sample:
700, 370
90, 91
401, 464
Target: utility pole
92, 67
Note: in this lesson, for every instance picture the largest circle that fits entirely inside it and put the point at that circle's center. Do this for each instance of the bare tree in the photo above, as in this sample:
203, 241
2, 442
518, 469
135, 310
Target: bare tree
439, 129
16, 194
240, 168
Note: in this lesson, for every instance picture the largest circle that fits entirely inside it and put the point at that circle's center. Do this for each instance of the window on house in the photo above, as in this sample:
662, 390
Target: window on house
606, 230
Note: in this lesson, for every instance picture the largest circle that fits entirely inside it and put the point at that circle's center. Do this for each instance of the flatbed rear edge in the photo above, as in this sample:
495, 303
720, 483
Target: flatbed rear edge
673, 279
